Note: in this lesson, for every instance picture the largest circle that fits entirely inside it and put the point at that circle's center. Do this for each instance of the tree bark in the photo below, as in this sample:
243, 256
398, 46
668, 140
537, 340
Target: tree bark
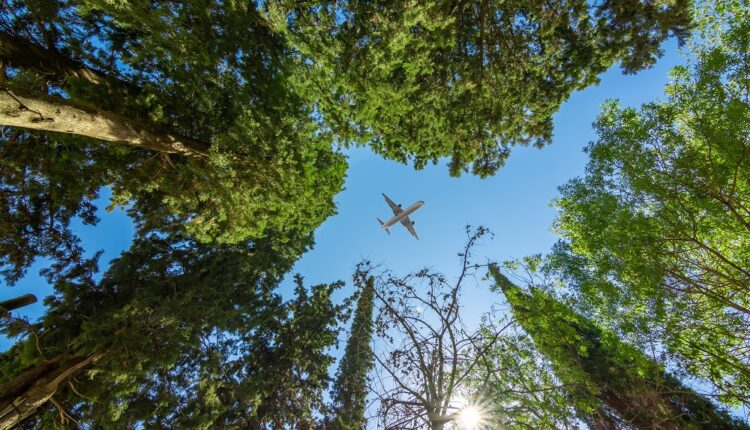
18, 52
437, 425
28, 392
41, 112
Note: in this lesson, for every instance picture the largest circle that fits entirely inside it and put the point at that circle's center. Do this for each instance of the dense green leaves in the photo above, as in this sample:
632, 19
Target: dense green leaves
184, 334
184, 329
466, 80
44, 184
350, 390
658, 230
610, 383
269, 166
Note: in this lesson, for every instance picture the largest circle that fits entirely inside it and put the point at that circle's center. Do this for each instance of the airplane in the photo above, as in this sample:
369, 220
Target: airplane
401, 215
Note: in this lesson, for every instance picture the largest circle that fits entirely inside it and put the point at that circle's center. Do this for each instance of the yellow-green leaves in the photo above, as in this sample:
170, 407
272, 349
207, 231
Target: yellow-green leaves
659, 229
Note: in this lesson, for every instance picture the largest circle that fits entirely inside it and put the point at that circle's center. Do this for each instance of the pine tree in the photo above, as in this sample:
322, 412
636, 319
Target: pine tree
611, 383
175, 333
189, 109
350, 390
465, 80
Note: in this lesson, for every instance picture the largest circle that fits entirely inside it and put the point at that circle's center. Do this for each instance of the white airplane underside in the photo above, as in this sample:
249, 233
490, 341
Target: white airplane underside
401, 215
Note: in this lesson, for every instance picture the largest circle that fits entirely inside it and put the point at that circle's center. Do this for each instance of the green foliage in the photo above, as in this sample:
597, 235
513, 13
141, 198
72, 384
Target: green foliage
349, 392
211, 71
465, 80
609, 382
517, 387
191, 335
658, 230
44, 184
189, 329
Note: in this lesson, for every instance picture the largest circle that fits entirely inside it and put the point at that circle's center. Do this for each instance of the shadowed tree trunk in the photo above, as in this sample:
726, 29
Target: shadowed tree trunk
23, 396
18, 52
40, 112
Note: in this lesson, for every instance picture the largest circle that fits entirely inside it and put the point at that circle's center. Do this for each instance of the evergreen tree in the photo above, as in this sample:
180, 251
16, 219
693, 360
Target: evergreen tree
612, 384
465, 80
24, 109
184, 329
350, 390
175, 333
219, 144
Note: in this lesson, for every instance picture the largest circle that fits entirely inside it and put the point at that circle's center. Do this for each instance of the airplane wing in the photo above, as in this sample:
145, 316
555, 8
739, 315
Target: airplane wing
396, 208
409, 224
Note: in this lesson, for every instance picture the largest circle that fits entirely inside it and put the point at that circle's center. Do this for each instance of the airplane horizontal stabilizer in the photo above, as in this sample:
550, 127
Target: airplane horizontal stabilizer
381, 223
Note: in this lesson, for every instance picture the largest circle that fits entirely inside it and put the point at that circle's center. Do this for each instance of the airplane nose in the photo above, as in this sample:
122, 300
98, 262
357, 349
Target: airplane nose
421, 203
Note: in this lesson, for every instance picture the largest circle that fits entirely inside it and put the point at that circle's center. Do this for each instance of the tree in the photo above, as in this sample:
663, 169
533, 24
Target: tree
517, 386
37, 112
175, 332
349, 392
465, 80
659, 227
611, 384
428, 354
214, 82
18, 52
185, 327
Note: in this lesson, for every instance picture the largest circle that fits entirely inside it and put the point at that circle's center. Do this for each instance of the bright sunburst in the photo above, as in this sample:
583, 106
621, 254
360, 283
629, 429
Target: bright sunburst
470, 417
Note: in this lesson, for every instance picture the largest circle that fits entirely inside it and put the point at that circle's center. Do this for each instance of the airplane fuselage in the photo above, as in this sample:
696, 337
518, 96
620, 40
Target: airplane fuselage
408, 211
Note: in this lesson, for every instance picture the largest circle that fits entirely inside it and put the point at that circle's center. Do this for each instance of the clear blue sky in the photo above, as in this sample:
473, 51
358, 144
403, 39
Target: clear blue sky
514, 204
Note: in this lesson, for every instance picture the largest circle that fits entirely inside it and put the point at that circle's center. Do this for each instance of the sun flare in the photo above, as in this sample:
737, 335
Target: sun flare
470, 417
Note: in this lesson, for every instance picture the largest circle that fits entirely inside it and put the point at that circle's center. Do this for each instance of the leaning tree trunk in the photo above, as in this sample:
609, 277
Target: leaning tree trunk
40, 112
16, 51
23, 397
50, 64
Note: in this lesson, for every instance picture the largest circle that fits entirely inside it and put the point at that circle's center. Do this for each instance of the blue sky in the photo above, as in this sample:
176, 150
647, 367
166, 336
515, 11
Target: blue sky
514, 204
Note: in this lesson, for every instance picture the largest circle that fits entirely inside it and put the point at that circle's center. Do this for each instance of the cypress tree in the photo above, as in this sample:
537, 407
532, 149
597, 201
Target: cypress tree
350, 392
468, 81
610, 382
202, 131
175, 334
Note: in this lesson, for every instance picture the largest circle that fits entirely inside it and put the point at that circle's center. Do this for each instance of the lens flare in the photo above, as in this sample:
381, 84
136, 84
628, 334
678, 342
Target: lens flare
470, 417
470, 413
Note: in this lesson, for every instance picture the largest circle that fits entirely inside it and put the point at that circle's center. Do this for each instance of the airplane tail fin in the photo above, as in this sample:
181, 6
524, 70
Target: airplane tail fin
381, 223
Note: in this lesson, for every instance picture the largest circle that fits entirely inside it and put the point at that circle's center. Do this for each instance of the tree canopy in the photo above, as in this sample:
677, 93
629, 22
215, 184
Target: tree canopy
657, 233
175, 332
465, 80
611, 384
210, 73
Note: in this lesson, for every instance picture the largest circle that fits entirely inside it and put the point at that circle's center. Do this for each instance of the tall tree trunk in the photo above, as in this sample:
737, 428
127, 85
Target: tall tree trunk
28, 392
18, 52
40, 112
